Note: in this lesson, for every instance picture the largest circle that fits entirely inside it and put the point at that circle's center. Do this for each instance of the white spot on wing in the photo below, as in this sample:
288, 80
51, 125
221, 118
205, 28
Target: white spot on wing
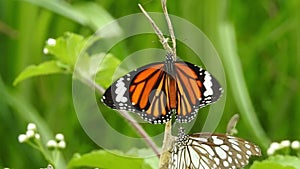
194, 157
217, 141
247, 145
225, 163
221, 153
120, 91
217, 160
225, 147
207, 84
208, 149
236, 148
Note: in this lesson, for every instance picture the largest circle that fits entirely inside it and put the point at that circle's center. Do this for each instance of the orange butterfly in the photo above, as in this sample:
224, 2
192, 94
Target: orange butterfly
157, 91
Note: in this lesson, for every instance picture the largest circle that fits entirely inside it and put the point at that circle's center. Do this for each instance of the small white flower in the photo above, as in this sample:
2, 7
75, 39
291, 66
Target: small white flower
22, 138
275, 146
31, 126
61, 144
295, 145
30, 133
51, 144
285, 143
270, 151
37, 136
59, 137
51, 42
45, 51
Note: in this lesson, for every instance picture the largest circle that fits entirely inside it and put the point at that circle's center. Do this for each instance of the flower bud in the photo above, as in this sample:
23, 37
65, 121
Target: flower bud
22, 138
31, 126
59, 137
51, 42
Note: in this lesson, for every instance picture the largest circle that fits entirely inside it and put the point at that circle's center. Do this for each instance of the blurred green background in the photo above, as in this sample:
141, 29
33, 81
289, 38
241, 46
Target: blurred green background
258, 42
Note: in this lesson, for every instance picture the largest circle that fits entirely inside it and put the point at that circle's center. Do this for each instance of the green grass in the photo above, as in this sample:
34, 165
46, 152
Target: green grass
258, 42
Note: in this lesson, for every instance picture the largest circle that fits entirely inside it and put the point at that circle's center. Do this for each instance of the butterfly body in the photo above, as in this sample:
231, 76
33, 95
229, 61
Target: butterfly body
211, 151
158, 90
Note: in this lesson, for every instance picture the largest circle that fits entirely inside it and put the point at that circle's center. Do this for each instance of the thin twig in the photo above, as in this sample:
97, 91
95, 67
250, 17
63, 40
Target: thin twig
125, 114
7, 30
163, 40
231, 130
168, 138
170, 26
141, 131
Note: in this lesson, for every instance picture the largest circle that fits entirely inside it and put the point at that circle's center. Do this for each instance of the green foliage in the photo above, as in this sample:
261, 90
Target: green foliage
86, 13
278, 162
109, 160
262, 74
269, 165
67, 48
106, 70
46, 68
65, 52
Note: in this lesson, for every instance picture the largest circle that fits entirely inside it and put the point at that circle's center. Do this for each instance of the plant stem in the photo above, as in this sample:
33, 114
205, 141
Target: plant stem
167, 144
238, 84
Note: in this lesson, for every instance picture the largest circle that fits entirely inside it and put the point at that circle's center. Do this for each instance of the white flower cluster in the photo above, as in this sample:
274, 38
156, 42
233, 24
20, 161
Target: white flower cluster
59, 142
283, 144
29, 134
50, 42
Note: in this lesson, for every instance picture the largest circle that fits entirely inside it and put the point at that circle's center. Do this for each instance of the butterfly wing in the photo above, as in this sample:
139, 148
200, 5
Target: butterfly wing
142, 91
196, 88
212, 151
149, 91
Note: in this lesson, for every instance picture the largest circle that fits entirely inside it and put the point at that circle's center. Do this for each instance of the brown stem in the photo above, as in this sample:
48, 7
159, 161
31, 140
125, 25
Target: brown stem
167, 145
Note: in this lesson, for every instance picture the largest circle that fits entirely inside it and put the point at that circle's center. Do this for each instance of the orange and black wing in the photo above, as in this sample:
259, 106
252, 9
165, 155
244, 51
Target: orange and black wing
143, 91
196, 88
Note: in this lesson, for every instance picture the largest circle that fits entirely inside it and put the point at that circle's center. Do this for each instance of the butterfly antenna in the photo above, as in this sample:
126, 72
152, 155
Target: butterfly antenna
170, 26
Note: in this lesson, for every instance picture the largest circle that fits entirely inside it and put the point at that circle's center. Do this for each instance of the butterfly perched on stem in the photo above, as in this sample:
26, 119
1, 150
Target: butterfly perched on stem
157, 91
211, 151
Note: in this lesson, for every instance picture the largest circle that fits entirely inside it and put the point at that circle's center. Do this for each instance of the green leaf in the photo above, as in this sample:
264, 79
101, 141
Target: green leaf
153, 161
278, 162
67, 48
107, 160
86, 13
107, 69
100, 67
46, 68
269, 165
